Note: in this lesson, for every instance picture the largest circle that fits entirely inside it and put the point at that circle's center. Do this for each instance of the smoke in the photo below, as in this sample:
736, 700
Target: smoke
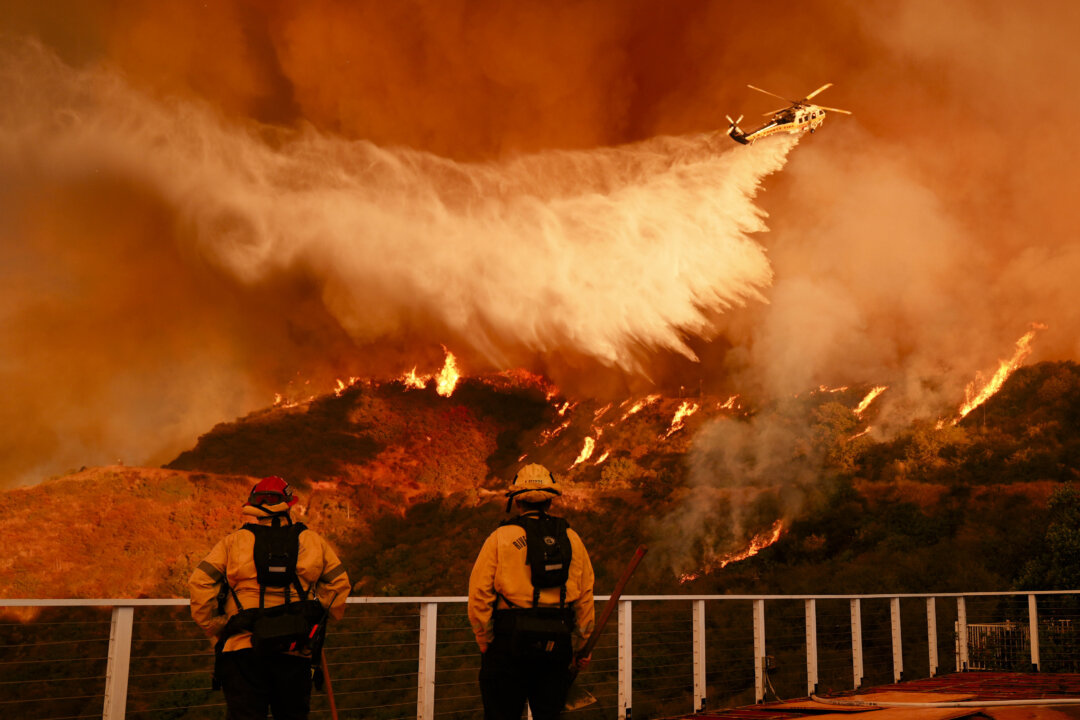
170, 211
912, 246
198, 206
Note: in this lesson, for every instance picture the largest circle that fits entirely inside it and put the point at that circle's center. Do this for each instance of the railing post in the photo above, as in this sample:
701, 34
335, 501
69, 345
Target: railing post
961, 635
425, 682
897, 640
626, 658
116, 672
699, 655
1033, 631
759, 651
931, 634
856, 642
811, 647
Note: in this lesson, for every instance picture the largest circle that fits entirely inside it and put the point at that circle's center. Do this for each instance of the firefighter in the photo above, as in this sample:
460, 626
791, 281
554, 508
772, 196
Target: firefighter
255, 670
530, 604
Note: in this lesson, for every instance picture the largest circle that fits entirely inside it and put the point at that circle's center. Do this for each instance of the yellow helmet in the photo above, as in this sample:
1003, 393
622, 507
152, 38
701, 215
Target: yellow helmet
533, 483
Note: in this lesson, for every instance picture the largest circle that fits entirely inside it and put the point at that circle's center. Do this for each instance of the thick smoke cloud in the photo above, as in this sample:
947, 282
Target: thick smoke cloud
610, 252
215, 201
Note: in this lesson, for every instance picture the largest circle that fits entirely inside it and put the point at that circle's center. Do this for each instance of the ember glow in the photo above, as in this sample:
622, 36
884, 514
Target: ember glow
979, 392
546, 435
757, 544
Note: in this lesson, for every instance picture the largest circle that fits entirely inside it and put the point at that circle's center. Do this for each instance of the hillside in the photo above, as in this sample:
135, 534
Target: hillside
406, 483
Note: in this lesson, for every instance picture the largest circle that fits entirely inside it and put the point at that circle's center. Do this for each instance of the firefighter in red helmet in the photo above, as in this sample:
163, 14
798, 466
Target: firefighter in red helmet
264, 594
530, 604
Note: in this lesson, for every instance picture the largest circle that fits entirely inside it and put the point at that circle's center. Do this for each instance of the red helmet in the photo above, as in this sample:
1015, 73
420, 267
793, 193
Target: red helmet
271, 491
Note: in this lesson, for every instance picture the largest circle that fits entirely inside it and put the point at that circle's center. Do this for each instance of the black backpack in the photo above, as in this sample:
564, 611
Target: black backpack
293, 625
548, 553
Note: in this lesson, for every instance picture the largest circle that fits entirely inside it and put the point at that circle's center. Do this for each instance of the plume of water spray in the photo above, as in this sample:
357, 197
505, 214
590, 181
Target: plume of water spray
602, 251
607, 253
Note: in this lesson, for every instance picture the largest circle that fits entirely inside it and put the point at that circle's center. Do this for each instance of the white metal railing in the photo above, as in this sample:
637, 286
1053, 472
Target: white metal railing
886, 646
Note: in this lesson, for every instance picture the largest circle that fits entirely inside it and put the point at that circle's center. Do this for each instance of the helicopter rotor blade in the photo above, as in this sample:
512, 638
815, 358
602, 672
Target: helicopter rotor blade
773, 112
771, 93
832, 109
824, 87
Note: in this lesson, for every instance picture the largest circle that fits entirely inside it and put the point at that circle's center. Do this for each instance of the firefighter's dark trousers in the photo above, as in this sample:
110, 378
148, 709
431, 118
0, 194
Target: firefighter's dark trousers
508, 681
254, 683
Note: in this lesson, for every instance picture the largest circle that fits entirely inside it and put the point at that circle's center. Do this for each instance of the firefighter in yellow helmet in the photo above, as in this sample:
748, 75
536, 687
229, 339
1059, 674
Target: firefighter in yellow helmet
270, 568
530, 603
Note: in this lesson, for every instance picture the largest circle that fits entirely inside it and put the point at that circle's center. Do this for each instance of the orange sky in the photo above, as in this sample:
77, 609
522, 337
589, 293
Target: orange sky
914, 240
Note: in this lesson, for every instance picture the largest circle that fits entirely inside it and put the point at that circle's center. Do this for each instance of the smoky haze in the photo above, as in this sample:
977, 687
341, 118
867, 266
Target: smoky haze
202, 207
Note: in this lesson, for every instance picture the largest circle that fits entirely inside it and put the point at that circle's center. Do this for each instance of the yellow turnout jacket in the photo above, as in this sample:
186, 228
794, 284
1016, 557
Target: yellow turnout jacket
233, 559
500, 569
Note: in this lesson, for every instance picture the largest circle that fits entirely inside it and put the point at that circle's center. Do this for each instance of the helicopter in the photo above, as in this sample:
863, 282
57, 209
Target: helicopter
799, 117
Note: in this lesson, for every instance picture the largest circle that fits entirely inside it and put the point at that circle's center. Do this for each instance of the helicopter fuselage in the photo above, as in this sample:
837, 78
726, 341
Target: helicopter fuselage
791, 120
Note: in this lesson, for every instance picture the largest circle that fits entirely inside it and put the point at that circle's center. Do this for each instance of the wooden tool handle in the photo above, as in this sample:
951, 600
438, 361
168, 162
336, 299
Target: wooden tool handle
613, 601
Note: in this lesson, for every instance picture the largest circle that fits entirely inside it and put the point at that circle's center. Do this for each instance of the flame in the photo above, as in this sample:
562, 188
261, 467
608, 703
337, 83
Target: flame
448, 377
600, 413
730, 404
827, 389
586, 451
870, 397
860, 434
412, 380
685, 410
974, 399
549, 434
639, 406
343, 385
603, 457
758, 543
566, 406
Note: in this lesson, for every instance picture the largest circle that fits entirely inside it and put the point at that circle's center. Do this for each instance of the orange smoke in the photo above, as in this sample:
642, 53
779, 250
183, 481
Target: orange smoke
198, 203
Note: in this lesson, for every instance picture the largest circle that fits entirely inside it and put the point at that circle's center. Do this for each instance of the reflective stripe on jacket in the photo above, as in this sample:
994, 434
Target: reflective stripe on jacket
500, 569
234, 558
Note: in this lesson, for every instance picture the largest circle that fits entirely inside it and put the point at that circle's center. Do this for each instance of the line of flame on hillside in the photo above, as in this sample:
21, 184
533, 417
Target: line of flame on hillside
870, 397
758, 543
686, 409
978, 392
